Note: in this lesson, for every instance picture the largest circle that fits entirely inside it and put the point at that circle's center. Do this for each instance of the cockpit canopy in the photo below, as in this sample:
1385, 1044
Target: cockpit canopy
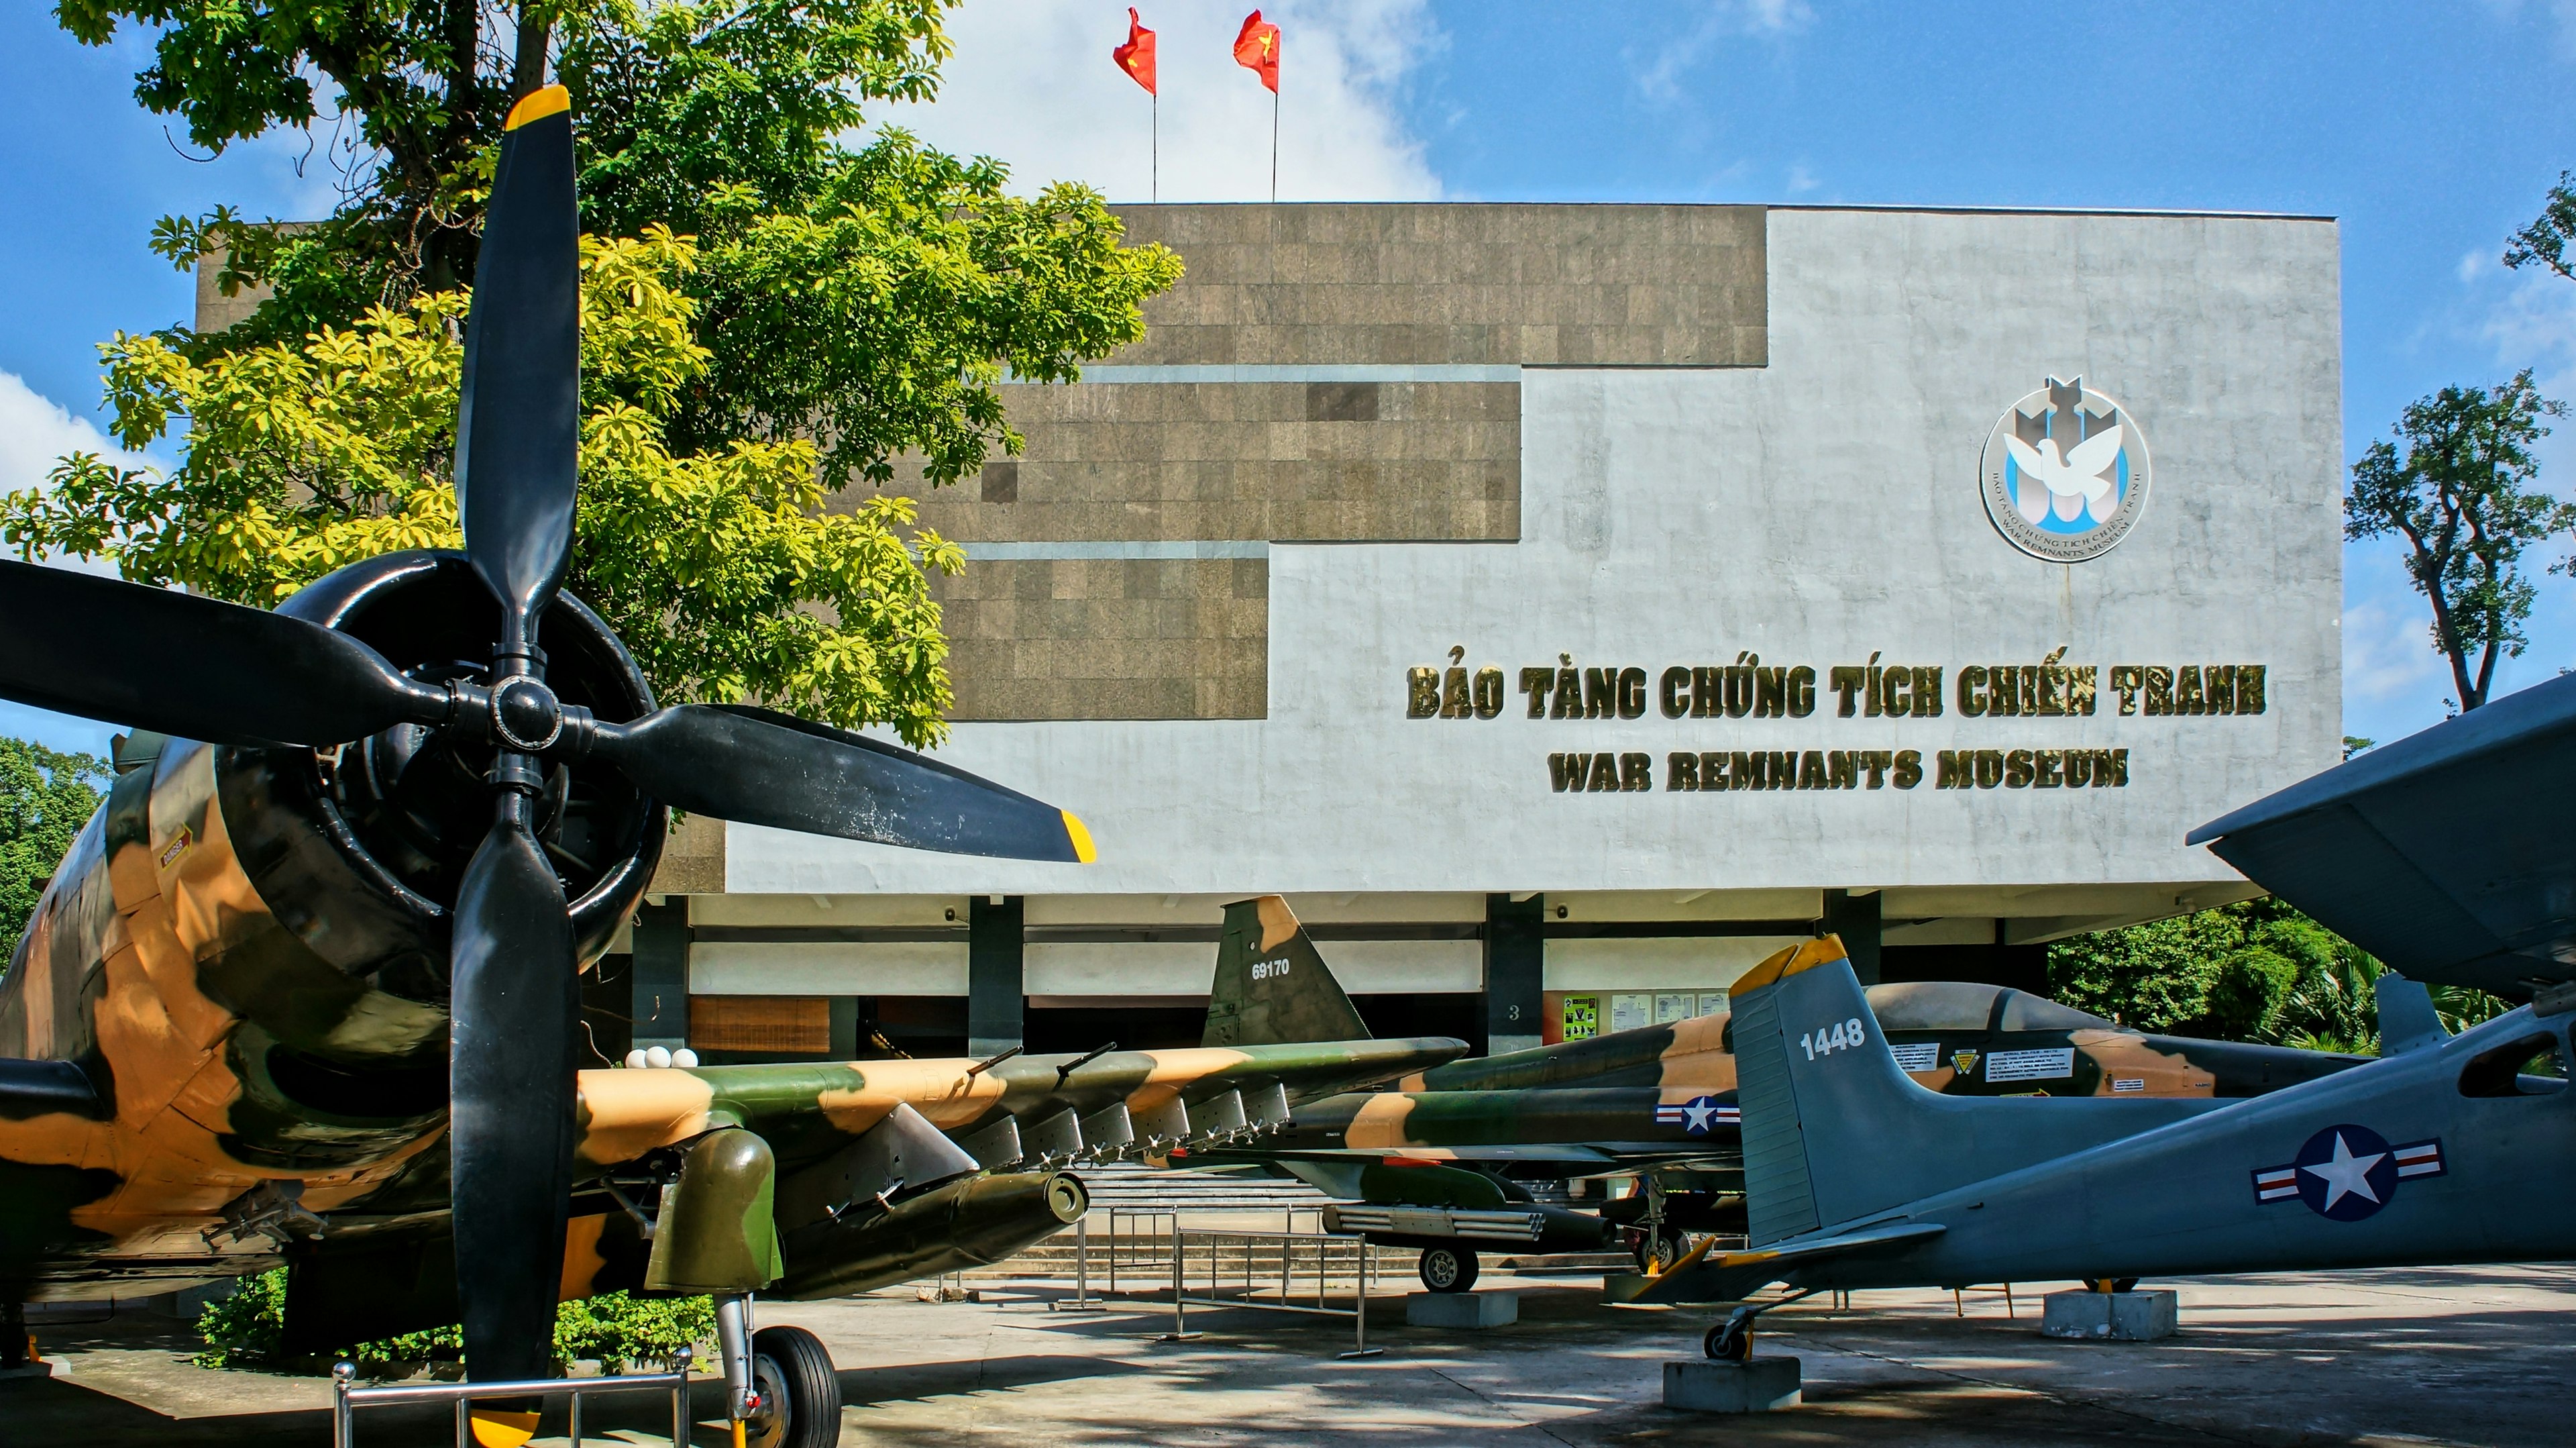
1958, 1005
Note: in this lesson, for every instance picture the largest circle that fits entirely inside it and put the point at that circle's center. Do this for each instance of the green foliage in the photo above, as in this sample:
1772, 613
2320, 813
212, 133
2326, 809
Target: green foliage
800, 315
2459, 496
2544, 242
2253, 971
247, 1329
45, 798
624, 1332
722, 570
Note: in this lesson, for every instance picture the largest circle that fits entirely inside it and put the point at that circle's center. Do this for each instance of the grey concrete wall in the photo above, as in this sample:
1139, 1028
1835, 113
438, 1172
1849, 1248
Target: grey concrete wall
1815, 510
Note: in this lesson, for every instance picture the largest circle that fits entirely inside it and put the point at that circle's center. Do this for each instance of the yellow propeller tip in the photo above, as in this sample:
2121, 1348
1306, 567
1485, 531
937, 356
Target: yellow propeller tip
537, 105
1081, 837
496, 1429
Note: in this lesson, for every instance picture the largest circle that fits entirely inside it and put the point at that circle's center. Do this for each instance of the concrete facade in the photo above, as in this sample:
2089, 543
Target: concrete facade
1818, 509
1267, 599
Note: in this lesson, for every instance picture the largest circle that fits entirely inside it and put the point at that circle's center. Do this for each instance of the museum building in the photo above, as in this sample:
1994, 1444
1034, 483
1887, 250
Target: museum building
1564, 606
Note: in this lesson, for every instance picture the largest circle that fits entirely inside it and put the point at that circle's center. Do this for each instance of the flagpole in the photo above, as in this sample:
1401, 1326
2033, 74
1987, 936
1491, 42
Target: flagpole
1155, 187
1274, 148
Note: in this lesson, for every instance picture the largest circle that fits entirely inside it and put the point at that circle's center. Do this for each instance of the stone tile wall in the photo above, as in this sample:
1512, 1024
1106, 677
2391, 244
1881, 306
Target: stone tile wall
1443, 282
1209, 461
1109, 638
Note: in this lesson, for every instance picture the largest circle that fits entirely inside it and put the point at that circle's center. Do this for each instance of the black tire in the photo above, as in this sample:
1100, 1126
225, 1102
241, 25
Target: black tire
1657, 1254
801, 1394
2118, 1284
1728, 1342
1448, 1269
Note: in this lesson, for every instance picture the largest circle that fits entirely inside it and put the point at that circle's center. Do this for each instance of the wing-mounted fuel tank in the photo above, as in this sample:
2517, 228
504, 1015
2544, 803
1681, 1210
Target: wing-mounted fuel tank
257, 938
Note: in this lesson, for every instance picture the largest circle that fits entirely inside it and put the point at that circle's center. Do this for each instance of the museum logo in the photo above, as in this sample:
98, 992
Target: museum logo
2065, 473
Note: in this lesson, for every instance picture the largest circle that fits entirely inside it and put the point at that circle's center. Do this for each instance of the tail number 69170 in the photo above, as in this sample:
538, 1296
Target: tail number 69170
1841, 1036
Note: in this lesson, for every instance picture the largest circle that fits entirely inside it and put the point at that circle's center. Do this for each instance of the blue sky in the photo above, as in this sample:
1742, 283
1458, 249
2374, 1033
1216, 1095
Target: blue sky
2431, 131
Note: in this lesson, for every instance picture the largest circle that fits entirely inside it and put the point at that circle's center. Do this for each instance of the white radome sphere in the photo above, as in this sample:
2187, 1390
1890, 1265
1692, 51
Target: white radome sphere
635, 1059
684, 1057
657, 1057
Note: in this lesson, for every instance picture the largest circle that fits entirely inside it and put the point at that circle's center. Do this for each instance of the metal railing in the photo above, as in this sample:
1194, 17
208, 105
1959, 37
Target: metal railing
1139, 1239
1253, 1253
347, 1398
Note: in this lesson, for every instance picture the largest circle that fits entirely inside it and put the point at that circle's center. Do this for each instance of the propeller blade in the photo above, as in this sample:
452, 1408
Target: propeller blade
766, 768
515, 1001
198, 668
518, 418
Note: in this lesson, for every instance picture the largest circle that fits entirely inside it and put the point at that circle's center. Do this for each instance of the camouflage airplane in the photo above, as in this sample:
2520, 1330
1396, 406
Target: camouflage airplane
1451, 1160
306, 988
2444, 854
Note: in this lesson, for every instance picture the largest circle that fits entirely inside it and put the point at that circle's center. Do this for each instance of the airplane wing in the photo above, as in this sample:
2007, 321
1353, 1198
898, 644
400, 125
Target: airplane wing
1022, 1109
2445, 854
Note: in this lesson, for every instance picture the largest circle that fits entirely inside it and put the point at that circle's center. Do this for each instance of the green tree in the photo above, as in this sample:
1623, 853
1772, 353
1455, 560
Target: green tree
2545, 241
2257, 970
721, 570
45, 797
799, 304
2459, 495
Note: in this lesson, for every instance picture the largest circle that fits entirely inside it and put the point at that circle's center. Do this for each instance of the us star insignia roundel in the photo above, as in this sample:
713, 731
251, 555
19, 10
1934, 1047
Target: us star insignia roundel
2346, 1173
1697, 1115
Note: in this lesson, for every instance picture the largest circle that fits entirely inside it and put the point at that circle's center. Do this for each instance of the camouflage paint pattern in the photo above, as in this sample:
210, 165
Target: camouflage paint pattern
715, 1231
224, 1004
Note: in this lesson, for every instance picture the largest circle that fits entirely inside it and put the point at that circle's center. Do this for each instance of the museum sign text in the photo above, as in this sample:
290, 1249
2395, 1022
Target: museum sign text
1750, 689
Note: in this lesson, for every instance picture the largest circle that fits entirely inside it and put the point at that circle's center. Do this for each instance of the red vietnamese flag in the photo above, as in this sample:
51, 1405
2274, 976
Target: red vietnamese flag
1136, 57
1256, 47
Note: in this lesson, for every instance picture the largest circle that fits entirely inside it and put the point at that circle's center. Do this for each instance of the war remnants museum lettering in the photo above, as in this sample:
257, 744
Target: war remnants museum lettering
1748, 688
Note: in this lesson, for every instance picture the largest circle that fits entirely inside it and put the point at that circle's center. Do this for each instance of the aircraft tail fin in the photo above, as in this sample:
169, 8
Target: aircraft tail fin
2407, 1020
1272, 988
1834, 1130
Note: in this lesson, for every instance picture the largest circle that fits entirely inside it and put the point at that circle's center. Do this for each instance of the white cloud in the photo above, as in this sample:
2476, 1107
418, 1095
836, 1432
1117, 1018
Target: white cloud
1660, 79
2388, 654
35, 431
1032, 84
2561, 15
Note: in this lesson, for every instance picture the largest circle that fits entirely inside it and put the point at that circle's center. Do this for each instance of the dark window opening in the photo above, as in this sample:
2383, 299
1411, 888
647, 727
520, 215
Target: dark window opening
2530, 1066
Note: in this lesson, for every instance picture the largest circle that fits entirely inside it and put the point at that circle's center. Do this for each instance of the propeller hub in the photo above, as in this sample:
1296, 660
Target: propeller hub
526, 716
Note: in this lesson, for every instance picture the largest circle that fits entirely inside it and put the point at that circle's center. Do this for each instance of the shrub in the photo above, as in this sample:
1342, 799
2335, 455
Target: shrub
248, 1330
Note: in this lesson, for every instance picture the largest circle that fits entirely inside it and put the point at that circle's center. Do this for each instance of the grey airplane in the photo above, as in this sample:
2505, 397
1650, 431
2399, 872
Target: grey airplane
2442, 854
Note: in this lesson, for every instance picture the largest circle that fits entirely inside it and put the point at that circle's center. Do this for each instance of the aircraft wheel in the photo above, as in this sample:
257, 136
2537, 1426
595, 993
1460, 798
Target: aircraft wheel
800, 1394
1448, 1269
1657, 1254
1728, 1341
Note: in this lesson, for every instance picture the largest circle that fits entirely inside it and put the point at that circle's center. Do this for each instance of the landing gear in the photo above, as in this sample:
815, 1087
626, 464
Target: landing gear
800, 1395
1659, 1249
1448, 1269
1729, 1341
2109, 1284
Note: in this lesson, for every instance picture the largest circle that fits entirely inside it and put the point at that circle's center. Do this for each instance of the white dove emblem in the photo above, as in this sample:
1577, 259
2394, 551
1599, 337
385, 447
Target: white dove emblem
2068, 486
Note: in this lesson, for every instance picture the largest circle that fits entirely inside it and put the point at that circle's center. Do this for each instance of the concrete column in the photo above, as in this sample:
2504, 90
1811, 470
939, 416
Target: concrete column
1855, 919
995, 1002
661, 1009
1515, 972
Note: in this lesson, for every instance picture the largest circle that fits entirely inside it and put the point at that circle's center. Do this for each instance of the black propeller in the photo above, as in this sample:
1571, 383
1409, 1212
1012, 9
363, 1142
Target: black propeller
202, 669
